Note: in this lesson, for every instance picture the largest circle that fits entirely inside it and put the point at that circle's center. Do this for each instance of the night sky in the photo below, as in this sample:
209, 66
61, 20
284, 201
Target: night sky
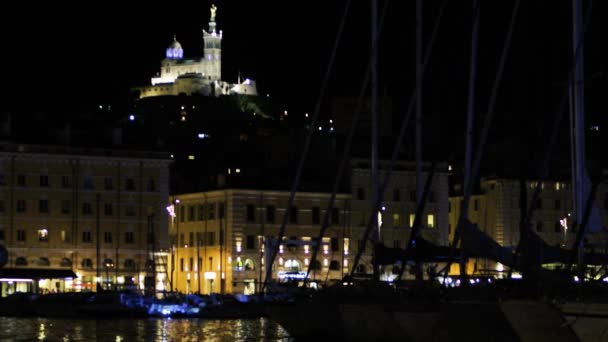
84, 54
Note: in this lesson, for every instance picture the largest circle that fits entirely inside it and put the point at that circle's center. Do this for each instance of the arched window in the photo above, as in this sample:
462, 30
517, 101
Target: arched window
65, 262
315, 265
249, 265
334, 265
20, 261
129, 264
108, 263
86, 263
42, 261
292, 265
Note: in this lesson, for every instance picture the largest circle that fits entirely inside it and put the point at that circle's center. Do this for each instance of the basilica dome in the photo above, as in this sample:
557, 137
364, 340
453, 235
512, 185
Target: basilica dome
175, 51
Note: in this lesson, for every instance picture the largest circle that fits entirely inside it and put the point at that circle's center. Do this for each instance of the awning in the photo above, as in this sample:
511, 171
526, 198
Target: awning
36, 273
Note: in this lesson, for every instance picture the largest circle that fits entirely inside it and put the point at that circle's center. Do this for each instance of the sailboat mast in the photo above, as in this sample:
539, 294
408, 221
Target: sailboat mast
418, 144
374, 123
580, 183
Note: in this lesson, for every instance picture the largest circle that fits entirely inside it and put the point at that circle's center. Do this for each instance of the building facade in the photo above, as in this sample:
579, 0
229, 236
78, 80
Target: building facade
219, 239
85, 210
496, 210
201, 75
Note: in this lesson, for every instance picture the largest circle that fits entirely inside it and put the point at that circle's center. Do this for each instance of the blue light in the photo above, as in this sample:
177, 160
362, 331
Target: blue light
131, 117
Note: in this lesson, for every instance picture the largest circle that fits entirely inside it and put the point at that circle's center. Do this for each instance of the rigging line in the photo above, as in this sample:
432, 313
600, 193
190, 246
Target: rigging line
347, 147
404, 124
296, 181
486, 124
525, 221
417, 220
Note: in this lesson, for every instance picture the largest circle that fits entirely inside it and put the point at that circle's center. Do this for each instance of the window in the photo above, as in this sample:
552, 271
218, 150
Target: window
21, 207
182, 213
476, 205
65, 182
396, 220
87, 183
221, 237
191, 213
210, 238
151, 185
270, 211
200, 213
211, 211
20, 234
130, 184
21, 180
293, 214
220, 210
2, 179
130, 210
44, 180
334, 265
191, 240
334, 244
430, 221
86, 208
413, 196
250, 242
107, 209
539, 226
107, 237
64, 236
87, 263
65, 262
412, 218
1, 206
66, 206
21, 261
107, 183
181, 264
1, 234
360, 194
250, 213
43, 206
86, 236
129, 237
539, 203
396, 243
129, 264
335, 216
396, 195
558, 205
432, 197
449, 207
182, 240
43, 235
316, 215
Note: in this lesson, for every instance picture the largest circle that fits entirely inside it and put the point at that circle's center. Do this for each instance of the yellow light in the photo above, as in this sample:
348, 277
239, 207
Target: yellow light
190, 157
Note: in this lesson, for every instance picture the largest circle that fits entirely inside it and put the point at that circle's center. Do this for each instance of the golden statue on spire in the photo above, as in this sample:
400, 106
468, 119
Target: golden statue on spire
213, 10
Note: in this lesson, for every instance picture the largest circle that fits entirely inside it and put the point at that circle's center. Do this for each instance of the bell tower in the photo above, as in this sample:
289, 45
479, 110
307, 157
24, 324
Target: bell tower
213, 49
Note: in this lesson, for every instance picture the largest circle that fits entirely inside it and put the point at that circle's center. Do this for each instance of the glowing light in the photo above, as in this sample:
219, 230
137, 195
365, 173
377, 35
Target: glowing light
171, 210
132, 117
247, 81
285, 113
190, 157
280, 261
238, 170
383, 208
306, 114
306, 249
331, 129
203, 136
331, 121
320, 128
325, 262
209, 275
345, 262
449, 167
306, 261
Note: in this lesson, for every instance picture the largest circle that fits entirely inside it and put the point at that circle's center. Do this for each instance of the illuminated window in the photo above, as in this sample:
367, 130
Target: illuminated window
430, 221
412, 217
396, 220
43, 234
64, 236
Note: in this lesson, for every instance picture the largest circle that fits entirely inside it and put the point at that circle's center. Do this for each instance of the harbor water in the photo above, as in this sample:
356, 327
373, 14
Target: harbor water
149, 329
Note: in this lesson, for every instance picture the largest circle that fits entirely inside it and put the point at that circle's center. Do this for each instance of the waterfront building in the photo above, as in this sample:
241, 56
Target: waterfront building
81, 210
220, 238
496, 210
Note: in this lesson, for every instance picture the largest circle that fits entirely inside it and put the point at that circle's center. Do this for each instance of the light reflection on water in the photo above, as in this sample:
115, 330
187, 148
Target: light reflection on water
152, 329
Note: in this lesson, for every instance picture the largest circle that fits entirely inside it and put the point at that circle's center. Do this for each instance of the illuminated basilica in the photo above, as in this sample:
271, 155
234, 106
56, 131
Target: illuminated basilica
203, 75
